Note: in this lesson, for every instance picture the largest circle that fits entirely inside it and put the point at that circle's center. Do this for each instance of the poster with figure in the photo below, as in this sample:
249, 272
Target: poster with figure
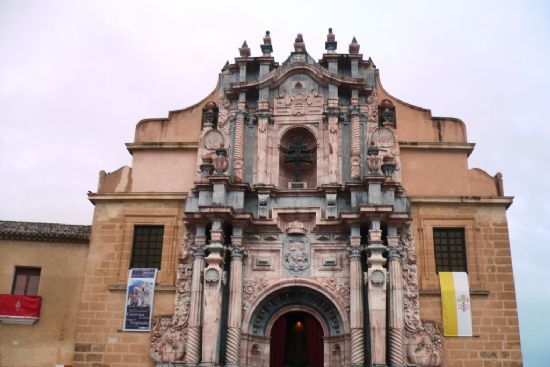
139, 299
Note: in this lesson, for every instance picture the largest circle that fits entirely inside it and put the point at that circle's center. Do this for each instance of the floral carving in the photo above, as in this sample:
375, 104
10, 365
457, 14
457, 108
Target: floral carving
423, 339
339, 290
169, 332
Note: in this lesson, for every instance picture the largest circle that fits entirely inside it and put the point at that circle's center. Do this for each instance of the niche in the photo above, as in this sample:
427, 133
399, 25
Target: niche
386, 114
298, 159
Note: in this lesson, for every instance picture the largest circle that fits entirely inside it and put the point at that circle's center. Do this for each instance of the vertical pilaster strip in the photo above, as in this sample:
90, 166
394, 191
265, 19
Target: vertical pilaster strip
193, 347
355, 140
261, 157
396, 321
356, 302
333, 145
232, 355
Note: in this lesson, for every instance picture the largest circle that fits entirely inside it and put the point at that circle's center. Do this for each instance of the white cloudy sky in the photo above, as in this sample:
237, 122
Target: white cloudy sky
76, 76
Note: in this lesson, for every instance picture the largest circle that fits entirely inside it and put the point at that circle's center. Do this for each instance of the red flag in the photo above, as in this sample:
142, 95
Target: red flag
14, 305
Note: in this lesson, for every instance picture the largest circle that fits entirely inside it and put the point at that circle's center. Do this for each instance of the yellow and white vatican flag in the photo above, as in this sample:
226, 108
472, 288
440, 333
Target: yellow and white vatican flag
455, 300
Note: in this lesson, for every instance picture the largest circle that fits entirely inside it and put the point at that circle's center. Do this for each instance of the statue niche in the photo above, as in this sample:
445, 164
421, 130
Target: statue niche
298, 159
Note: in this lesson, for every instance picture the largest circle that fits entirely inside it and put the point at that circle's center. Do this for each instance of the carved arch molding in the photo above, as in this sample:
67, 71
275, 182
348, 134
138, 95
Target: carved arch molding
296, 296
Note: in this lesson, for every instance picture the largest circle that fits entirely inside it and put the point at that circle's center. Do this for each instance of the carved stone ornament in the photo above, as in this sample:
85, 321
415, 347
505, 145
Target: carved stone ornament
213, 139
298, 103
423, 339
169, 332
383, 137
372, 105
339, 289
220, 161
211, 276
251, 289
296, 253
377, 278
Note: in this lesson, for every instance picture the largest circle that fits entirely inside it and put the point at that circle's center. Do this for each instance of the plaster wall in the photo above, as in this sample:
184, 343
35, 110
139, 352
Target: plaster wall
163, 170
51, 340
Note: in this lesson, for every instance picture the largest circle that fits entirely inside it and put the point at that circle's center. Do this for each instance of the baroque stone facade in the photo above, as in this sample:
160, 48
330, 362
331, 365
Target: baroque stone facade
300, 187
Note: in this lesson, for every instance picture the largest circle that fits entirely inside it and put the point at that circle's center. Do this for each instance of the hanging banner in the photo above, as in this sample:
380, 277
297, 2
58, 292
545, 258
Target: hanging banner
140, 293
455, 302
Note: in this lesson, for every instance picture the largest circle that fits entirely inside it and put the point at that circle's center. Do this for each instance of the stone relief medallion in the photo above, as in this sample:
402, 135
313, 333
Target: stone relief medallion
213, 139
251, 289
377, 278
296, 254
211, 275
383, 137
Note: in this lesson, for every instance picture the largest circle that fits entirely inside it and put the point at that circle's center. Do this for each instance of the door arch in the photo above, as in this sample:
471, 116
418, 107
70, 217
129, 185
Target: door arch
296, 340
298, 295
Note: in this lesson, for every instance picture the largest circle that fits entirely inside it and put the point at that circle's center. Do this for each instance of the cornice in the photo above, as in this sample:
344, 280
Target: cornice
130, 196
467, 200
413, 145
188, 145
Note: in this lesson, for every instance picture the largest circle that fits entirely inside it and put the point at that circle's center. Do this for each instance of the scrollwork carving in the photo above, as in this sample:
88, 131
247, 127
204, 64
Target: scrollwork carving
251, 289
423, 339
339, 289
168, 332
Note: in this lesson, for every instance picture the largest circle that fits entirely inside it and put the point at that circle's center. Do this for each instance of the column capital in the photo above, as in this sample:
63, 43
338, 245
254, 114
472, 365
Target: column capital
354, 253
394, 253
237, 252
198, 252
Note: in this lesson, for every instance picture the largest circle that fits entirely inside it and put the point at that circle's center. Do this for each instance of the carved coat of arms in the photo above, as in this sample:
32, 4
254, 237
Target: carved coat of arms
296, 254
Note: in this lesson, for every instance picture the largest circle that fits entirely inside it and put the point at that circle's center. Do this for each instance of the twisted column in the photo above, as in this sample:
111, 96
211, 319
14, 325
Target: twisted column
396, 323
356, 303
355, 140
232, 355
238, 164
193, 347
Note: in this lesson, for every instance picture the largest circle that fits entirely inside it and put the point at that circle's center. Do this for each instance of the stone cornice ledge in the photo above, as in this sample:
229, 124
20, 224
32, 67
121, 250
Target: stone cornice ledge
162, 145
453, 200
122, 196
468, 147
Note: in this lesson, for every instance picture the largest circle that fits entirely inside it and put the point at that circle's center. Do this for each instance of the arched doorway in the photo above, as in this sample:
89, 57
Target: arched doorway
296, 341
294, 303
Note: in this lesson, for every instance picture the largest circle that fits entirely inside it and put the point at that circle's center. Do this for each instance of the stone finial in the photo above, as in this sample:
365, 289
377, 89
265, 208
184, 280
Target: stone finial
354, 47
330, 44
266, 47
244, 50
299, 45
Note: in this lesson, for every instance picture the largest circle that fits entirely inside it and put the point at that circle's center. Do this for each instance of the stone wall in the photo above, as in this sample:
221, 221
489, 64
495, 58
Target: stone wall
494, 311
100, 340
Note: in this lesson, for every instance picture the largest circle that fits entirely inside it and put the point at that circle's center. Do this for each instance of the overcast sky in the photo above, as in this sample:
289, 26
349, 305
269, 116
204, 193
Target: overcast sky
76, 76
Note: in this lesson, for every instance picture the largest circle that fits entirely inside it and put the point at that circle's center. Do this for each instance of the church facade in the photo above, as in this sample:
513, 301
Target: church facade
299, 216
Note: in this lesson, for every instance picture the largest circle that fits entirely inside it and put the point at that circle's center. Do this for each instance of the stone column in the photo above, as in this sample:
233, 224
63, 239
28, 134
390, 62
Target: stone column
232, 353
238, 161
395, 319
193, 344
355, 139
356, 300
377, 295
212, 299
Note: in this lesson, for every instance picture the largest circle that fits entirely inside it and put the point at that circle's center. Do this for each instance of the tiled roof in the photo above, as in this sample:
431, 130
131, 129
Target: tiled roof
48, 232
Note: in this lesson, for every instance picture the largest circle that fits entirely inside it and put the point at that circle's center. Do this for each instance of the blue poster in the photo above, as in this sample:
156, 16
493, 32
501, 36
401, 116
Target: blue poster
140, 293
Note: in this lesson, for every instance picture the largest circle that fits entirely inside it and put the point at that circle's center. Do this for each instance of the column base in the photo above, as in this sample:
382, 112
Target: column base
380, 365
172, 364
232, 365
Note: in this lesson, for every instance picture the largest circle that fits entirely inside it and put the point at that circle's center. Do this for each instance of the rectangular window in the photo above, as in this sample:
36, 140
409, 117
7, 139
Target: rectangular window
147, 247
25, 281
450, 249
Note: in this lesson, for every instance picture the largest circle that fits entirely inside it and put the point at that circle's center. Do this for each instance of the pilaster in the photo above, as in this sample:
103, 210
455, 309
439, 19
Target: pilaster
356, 300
